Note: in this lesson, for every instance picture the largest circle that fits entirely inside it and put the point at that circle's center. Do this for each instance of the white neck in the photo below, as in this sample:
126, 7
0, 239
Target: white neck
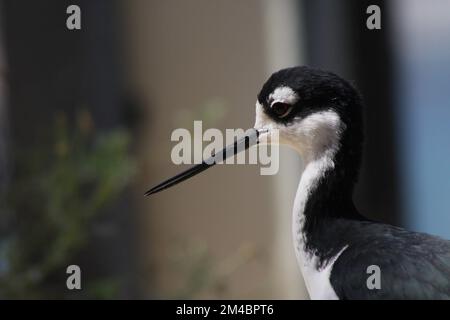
318, 154
317, 280
316, 138
314, 171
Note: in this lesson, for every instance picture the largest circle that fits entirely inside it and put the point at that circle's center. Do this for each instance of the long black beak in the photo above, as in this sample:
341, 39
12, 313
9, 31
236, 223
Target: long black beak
250, 139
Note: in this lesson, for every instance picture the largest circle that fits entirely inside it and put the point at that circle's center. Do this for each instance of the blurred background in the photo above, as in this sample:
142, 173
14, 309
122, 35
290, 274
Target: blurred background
86, 117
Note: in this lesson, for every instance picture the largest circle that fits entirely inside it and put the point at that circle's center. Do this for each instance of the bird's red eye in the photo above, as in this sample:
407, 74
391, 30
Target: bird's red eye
281, 109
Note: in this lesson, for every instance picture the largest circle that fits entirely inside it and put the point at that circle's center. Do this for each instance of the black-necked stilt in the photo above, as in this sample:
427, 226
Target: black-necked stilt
319, 114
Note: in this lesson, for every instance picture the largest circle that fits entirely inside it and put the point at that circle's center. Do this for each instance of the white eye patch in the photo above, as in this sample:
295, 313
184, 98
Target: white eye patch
283, 94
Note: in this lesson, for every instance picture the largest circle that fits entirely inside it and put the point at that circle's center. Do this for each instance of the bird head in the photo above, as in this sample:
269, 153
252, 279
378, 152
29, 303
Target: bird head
310, 108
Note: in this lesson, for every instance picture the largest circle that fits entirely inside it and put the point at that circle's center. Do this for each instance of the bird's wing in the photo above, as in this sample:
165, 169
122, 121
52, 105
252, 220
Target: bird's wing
411, 265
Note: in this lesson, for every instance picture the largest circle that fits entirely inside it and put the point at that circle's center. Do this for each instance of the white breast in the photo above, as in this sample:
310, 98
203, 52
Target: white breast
317, 281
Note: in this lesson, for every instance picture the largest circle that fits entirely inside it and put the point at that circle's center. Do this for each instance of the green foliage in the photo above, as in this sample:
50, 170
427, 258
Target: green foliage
57, 191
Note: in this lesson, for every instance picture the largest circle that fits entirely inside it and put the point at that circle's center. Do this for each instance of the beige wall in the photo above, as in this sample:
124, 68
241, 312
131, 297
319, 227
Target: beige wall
217, 235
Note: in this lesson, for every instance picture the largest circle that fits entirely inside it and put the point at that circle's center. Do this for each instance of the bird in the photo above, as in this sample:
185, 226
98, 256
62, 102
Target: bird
320, 115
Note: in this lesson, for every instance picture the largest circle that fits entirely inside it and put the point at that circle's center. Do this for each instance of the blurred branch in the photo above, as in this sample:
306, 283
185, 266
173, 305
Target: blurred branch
53, 201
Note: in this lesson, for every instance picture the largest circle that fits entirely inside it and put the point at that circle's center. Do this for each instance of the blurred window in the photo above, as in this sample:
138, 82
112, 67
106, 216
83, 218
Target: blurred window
422, 47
